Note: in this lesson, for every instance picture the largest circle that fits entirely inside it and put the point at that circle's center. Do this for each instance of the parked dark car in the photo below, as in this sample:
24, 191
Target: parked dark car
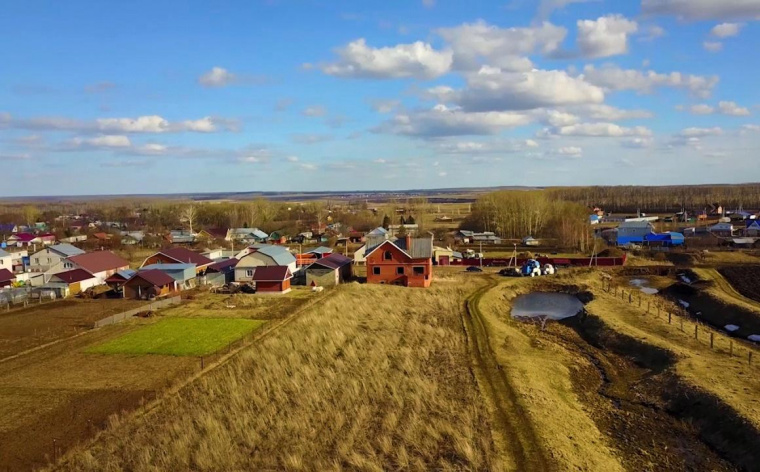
510, 272
474, 269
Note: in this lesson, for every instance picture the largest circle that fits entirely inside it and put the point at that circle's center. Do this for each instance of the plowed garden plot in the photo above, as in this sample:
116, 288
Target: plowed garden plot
745, 279
40, 324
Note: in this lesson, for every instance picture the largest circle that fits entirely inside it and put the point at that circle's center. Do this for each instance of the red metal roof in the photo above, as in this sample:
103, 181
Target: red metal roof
153, 276
99, 261
73, 276
6, 275
186, 256
333, 261
221, 265
271, 274
23, 237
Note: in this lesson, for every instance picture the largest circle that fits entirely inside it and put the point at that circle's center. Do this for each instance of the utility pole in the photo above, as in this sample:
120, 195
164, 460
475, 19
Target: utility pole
481, 254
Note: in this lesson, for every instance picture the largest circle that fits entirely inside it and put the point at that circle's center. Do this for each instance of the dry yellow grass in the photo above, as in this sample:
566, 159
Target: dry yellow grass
541, 373
374, 378
728, 378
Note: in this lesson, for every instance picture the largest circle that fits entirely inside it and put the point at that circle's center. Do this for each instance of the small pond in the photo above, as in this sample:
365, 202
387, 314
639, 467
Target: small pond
643, 285
555, 306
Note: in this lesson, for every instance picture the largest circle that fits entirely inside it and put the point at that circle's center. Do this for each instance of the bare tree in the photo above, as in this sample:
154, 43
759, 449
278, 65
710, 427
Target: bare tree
188, 214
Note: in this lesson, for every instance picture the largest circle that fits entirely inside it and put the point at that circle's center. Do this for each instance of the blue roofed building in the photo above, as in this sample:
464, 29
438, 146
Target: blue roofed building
633, 232
183, 274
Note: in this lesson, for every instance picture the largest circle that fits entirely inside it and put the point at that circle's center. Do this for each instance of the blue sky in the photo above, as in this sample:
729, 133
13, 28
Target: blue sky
154, 97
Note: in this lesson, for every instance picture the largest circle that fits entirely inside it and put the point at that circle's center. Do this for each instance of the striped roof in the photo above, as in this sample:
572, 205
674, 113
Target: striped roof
333, 261
66, 250
271, 274
279, 254
99, 261
184, 255
73, 276
6, 275
154, 277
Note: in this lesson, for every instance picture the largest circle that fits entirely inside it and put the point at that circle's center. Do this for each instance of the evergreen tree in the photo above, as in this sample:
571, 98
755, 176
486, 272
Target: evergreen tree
386, 221
410, 220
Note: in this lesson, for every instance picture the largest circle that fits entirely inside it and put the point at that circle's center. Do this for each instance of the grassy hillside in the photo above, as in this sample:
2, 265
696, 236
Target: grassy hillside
374, 378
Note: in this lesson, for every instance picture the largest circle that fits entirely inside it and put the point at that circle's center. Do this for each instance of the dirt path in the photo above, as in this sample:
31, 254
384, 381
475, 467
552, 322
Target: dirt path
513, 432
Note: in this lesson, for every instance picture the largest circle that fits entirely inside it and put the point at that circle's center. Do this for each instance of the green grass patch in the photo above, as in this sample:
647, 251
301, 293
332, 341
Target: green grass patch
180, 337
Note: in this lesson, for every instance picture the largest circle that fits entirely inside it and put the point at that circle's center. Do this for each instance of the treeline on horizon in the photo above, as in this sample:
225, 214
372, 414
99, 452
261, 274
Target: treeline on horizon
661, 199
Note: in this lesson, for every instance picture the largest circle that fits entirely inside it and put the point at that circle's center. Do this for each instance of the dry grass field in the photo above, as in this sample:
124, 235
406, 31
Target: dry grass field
626, 390
61, 395
372, 378
368, 377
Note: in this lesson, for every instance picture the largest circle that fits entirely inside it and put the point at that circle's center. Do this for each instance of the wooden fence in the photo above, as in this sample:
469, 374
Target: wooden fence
113, 319
680, 319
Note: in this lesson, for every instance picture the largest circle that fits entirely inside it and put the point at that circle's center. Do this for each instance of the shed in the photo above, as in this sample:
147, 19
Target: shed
120, 277
272, 279
320, 251
221, 272
147, 284
6, 278
183, 274
328, 271
77, 280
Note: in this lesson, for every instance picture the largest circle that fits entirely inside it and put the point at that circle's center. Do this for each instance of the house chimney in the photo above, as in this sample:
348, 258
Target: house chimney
408, 242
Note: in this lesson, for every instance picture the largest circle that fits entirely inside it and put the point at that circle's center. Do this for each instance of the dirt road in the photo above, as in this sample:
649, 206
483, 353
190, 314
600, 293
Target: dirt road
513, 433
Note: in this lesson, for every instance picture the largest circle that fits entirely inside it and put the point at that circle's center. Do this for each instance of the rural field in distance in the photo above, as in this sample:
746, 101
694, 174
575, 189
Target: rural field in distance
646, 372
422, 235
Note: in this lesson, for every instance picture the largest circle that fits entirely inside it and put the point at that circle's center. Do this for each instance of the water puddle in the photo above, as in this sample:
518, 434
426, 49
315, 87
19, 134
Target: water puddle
554, 306
643, 285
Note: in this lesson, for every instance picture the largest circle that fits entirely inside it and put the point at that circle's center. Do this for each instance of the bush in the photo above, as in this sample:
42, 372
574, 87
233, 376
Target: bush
611, 252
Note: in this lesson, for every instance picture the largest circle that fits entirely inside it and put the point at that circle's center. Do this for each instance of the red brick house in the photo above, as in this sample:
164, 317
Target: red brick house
272, 279
407, 261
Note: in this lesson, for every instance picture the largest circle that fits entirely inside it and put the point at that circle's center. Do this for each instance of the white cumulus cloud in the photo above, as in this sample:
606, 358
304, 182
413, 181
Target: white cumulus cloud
418, 60
605, 36
475, 44
491, 89
726, 30
712, 46
703, 9
217, 77
601, 130
570, 151
444, 121
612, 77
731, 108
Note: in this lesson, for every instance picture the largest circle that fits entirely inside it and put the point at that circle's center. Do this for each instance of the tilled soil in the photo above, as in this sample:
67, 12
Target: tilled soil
708, 309
39, 442
744, 279
653, 419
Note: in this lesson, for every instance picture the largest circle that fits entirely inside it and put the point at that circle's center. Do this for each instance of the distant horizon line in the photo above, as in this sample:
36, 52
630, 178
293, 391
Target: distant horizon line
265, 193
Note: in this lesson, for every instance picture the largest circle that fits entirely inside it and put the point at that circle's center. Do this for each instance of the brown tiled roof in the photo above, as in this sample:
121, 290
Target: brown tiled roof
73, 276
155, 277
99, 261
333, 261
6, 275
221, 265
186, 256
271, 274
